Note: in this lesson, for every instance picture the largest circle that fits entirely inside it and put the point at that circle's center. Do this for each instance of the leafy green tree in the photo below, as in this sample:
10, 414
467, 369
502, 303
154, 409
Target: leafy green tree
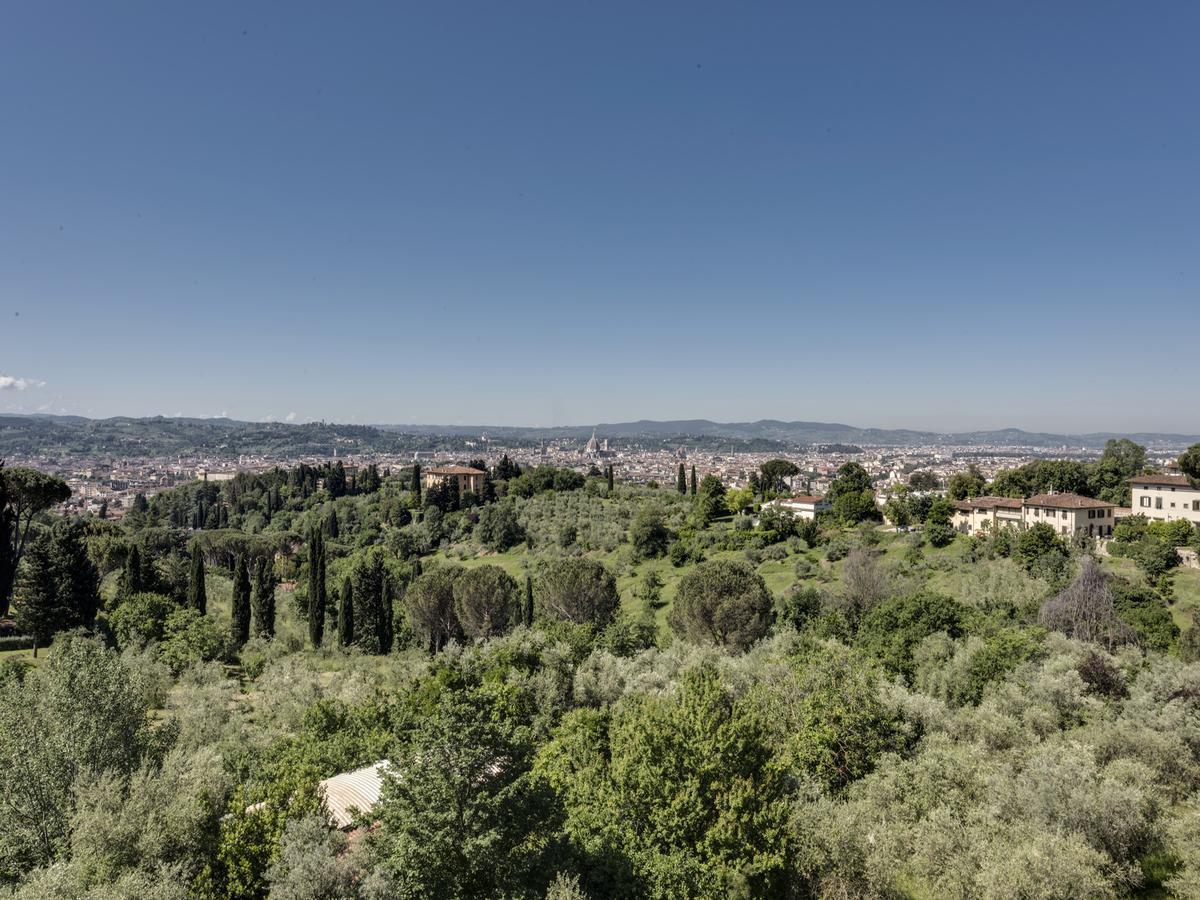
239, 628
430, 606
59, 586
937, 523
923, 480
648, 533
710, 501
1189, 463
346, 614
830, 722
141, 619
263, 601
576, 589
774, 475
851, 496
723, 602
79, 714
499, 528
189, 637
485, 601
465, 819
681, 480
1155, 556
23, 494
197, 596
893, 629
674, 795
1036, 543
970, 483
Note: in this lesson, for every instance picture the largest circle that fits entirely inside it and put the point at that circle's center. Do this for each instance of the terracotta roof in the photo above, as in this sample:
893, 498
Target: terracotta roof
1066, 501
454, 470
1165, 480
993, 502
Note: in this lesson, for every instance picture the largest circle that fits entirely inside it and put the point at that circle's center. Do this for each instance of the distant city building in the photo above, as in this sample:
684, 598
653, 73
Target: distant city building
464, 477
1165, 497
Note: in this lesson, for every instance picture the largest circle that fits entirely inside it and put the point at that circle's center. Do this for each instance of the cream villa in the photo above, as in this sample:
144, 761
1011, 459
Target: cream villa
1166, 498
1066, 513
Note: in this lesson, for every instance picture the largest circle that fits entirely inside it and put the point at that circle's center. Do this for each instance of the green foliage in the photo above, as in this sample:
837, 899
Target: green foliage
239, 625
429, 605
970, 483
499, 528
722, 602
59, 587
893, 629
675, 796
648, 534
189, 638
485, 601
141, 619
576, 589
197, 595
1036, 544
828, 718
24, 493
465, 819
81, 714
937, 523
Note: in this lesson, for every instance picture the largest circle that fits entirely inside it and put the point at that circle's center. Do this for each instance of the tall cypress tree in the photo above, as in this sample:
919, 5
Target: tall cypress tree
693, 479
197, 596
610, 479
239, 629
346, 614
264, 597
681, 480
316, 588
528, 610
415, 487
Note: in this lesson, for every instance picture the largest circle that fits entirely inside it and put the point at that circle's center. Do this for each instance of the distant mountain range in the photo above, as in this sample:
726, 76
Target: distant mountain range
805, 433
30, 435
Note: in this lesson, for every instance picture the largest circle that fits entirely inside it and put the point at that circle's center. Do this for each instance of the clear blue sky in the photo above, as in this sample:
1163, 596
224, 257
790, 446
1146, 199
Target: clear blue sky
895, 214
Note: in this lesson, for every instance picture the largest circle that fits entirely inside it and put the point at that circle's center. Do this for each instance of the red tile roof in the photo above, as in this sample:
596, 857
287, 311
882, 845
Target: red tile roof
1164, 480
803, 498
453, 470
1067, 501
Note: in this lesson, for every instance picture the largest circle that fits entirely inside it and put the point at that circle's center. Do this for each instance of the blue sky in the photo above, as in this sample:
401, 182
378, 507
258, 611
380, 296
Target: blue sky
924, 214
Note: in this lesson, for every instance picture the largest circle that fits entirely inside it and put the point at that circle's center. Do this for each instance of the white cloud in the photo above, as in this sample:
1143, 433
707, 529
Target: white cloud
291, 417
12, 383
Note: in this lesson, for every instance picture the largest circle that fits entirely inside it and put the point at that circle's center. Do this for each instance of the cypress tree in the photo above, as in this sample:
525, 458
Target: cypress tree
316, 588
416, 485
346, 614
681, 480
385, 615
197, 596
693, 479
333, 529
610, 479
264, 597
528, 611
240, 611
